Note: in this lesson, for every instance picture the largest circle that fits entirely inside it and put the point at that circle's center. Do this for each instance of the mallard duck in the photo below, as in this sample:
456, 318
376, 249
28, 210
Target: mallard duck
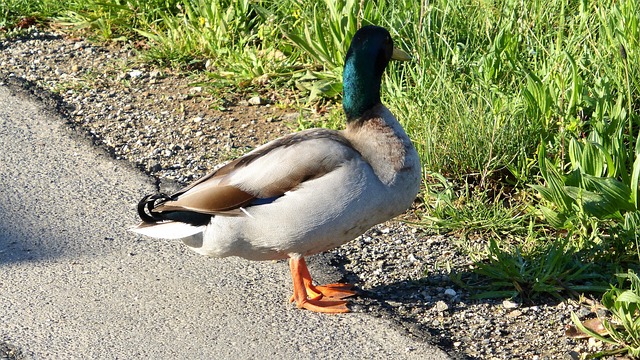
306, 192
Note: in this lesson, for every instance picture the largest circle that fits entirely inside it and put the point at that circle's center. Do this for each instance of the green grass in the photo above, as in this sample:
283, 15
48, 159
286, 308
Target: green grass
547, 269
524, 113
13, 11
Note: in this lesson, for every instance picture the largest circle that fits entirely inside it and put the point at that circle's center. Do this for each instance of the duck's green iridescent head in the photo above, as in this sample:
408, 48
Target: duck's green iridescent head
370, 51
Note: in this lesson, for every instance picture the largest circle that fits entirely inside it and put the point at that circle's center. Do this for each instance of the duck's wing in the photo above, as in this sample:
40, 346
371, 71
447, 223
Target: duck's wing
265, 173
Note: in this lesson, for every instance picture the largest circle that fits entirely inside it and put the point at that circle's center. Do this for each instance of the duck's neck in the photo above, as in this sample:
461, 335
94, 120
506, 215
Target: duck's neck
361, 86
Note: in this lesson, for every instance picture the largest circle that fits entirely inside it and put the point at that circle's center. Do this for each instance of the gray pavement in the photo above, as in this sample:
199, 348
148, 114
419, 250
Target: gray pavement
75, 284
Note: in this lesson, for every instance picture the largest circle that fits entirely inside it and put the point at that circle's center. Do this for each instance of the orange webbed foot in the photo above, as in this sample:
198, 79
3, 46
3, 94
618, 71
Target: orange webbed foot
325, 306
325, 298
336, 290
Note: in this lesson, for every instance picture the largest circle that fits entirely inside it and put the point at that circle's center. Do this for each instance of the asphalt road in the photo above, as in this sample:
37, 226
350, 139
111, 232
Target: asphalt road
75, 284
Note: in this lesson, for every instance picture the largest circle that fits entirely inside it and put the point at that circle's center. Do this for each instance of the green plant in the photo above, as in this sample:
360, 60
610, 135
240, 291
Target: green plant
623, 330
602, 182
471, 209
332, 120
201, 30
323, 34
115, 19
18, 14
550, 268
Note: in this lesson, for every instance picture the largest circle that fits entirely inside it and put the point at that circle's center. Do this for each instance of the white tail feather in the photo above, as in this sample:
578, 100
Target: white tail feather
167, 230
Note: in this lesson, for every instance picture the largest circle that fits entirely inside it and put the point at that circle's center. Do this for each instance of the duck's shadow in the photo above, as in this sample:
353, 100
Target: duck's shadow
411, 305
403, 302
22, 241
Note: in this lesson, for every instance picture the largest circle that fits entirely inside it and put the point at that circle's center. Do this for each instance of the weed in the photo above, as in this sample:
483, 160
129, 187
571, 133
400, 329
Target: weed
550, 268
623, 330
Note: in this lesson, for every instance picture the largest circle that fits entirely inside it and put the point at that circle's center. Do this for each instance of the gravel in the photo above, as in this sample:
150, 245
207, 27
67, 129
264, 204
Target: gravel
155, 118
9, 352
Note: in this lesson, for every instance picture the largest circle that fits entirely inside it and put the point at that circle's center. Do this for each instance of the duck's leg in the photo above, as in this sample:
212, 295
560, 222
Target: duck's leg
299, 272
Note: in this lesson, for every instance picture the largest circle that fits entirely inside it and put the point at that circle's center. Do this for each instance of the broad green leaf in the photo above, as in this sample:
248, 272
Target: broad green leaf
637, 145
584, 329
635, 174
147, 34
576, 88
628, 296
620, 158
575, 153
544, 191
613, 191
554, 182
592, 203
592, 161
554, 219
573, 178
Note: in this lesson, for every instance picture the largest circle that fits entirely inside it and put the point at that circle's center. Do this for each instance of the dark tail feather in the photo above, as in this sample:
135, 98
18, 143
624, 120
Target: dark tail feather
148, 203
146, 206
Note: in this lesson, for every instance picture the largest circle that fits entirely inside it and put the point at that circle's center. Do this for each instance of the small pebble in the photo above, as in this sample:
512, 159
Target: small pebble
514, 314
508, 304
256, 100
442, 306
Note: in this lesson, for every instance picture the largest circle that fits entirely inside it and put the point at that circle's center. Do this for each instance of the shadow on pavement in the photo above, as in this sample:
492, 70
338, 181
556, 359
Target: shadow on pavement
18, 246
